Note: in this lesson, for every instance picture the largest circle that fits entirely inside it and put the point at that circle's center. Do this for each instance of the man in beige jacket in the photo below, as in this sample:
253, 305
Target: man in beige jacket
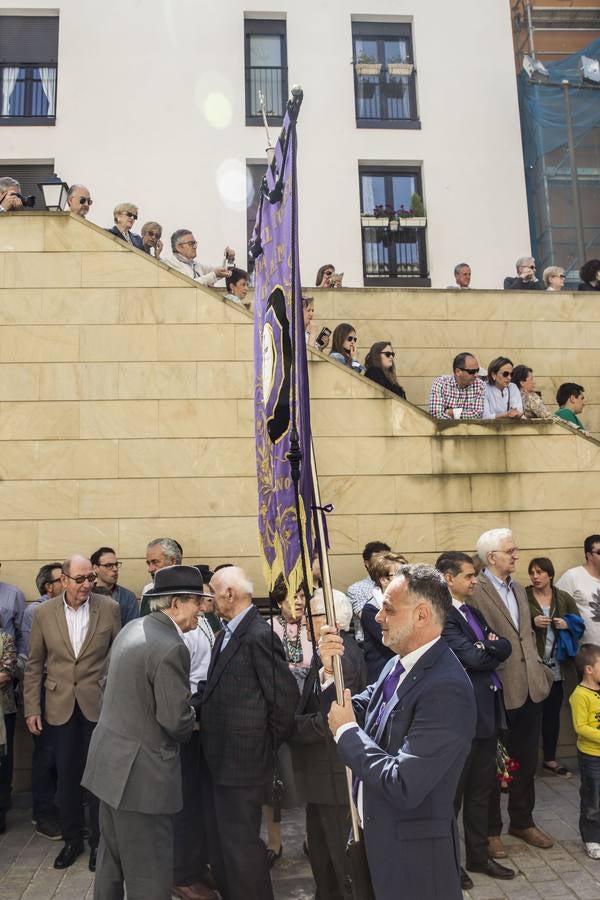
525, 680
71, 636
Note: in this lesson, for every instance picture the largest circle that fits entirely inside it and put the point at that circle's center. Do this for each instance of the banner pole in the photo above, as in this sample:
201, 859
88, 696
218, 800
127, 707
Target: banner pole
338, 675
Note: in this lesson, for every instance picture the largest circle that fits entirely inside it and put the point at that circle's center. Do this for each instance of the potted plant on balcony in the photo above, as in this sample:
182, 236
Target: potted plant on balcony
398, 66
415, 216
379, 218
367, 65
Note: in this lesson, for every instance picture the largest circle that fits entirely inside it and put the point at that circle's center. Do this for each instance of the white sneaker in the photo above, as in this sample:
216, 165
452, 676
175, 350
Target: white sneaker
593, 850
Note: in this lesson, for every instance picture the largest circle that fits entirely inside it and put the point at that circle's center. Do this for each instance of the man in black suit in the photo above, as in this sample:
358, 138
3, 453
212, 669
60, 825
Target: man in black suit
319, 773
248, 706
481, 652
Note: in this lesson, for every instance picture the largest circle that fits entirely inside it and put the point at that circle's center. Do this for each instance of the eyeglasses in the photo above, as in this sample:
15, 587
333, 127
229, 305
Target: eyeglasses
505, 374
79, 579
186, 243
353, 339
155, 234
389, 353
510, 552
560, 275
115, 565
469, 371
83, 201
131, 215
597, 552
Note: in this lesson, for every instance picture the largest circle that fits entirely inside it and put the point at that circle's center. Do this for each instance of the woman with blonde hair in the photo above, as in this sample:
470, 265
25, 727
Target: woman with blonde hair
125, 214
554, 278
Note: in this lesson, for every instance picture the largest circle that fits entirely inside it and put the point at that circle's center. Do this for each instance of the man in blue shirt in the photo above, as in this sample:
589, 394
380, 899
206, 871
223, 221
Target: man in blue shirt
106, 567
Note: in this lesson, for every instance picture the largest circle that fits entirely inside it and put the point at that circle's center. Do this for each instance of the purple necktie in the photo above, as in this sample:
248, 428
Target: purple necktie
476, 627
388, 690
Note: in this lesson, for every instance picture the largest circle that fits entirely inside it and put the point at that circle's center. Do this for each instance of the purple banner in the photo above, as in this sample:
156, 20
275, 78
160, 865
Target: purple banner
281, 398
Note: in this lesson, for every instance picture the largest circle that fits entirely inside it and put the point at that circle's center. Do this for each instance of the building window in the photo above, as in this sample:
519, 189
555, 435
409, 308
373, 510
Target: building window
29, 175
384, 75
266, 69
28, 69
254, 176
393, 244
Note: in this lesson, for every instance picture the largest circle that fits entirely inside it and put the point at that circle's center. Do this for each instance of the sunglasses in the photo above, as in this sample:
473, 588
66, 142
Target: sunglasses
505, 374
186, 243
389, 353
353, 339
130, 215
83, 201
469, 371
80, 579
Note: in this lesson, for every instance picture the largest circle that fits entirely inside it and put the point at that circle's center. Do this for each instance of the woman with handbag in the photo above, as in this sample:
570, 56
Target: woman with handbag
552, 612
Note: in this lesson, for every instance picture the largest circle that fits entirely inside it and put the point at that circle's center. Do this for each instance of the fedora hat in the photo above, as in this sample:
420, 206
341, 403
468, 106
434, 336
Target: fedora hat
176, 580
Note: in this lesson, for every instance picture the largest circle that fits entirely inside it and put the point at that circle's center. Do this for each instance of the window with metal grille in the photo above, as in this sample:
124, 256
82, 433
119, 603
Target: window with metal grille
393, 237
384, 75
266, 69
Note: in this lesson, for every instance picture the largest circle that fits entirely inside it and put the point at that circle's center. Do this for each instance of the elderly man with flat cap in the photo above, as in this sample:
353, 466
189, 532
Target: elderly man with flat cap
133, 764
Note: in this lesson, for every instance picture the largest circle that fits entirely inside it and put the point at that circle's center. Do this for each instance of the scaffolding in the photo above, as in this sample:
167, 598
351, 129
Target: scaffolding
560, 127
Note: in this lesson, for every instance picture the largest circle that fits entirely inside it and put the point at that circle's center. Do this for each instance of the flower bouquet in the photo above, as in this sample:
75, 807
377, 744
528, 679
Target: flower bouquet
505, 766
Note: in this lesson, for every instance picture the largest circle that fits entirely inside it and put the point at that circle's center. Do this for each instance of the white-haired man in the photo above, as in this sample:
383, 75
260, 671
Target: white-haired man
525, 680
247, 710
525, 279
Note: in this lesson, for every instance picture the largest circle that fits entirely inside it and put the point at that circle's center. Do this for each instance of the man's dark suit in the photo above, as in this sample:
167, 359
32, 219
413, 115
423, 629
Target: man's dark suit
409, 771
477, 778
250, 695
321, 777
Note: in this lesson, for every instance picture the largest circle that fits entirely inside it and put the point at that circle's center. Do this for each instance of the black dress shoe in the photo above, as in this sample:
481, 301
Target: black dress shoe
68, 854
466, 883
92, 862
493, 869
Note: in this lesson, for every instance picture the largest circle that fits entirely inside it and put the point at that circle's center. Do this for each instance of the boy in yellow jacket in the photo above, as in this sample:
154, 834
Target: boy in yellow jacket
585, 709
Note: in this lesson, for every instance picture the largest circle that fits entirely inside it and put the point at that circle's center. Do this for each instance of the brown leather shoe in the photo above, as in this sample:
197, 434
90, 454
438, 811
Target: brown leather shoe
496, 849
534, 836
196, 891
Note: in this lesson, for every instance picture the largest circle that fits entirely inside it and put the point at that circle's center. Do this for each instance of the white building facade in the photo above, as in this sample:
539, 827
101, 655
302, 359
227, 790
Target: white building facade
154, 102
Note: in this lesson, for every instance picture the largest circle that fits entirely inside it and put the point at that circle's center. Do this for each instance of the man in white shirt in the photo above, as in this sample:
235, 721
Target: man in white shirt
184, 247
406, 739
583, 584
71, 637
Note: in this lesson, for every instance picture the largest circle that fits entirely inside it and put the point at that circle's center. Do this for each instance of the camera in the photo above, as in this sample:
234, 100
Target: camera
29, 201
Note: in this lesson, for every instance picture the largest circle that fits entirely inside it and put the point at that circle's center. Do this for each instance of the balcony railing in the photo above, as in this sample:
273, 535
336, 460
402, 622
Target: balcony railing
272, 81
27, 92
394, 255
384, 96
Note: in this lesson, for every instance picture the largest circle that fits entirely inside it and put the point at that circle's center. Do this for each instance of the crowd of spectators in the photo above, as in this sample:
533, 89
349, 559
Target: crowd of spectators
82, 607
502, 392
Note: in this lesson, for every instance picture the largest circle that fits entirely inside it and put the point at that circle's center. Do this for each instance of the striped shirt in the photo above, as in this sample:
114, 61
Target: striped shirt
77, 624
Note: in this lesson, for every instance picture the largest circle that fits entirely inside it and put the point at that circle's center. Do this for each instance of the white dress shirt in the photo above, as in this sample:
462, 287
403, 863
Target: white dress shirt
199, 642
202, 274
408, 663
78, 621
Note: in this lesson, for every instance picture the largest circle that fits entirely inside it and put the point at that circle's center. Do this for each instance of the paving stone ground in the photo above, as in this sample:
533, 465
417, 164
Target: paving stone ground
26, 871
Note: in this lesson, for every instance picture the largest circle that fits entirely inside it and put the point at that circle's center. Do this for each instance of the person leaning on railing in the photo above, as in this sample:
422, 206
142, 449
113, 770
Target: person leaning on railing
380, 367
10, 194
125, 214
344, 344
533, 406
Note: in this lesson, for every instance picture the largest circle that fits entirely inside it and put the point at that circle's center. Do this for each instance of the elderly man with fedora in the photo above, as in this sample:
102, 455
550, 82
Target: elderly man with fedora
133, 762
